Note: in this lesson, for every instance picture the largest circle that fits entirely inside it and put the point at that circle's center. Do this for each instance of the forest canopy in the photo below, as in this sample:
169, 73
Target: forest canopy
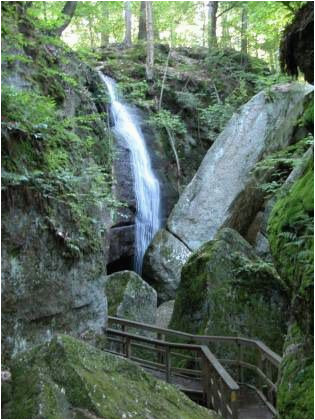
255, 27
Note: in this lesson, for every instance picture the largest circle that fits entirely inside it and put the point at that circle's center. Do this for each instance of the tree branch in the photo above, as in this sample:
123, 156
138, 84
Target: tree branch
68, 12
226, 10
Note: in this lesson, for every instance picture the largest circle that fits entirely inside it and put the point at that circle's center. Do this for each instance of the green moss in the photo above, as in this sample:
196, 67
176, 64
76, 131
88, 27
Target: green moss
89, 379
226, 289
290, 233
296, 388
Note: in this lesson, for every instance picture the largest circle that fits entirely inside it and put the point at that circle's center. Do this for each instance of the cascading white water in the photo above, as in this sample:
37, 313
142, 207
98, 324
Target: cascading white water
147, 188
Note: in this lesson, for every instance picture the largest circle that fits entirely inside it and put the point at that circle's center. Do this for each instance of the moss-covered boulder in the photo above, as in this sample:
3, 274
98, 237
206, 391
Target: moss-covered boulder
290, 233
67, 378
129, 296
226, 289
163, 262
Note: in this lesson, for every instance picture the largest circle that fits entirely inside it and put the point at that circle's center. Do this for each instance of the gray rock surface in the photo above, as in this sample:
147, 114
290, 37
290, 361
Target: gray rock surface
222, 193
46, 286
164, 314
162, 263
129, 296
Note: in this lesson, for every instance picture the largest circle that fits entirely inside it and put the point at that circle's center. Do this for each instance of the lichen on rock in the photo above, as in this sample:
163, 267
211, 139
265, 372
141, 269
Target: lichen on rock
66, 378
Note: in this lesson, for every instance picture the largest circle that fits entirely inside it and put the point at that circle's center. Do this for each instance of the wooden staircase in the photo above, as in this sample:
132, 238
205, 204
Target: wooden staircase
187, 361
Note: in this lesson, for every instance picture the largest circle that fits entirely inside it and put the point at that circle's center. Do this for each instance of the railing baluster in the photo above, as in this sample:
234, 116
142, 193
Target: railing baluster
205, 380
167, 364
128, 347
239, 360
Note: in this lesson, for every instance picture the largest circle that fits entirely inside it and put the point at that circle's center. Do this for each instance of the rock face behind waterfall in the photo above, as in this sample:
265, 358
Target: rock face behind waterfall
223, 192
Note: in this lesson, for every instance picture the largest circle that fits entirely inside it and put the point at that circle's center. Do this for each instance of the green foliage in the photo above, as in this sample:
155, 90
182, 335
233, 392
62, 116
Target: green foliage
274, 170
188, 100
135, 92
215, 117
165, 119
28, 111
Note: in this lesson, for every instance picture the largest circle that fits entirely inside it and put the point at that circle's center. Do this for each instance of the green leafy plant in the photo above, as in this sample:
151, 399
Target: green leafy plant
165, 119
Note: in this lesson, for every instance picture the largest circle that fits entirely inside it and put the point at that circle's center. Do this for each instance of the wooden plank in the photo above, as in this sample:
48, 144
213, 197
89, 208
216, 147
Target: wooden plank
270, 355
149, 363
194, 372
214, 362
264, 400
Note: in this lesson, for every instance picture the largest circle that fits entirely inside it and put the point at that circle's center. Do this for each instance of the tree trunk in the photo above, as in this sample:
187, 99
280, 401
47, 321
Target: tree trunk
150, 41
204, 25
212, 23
68, 13
127, 40
142, 35
91, 35
105, 33
226, 39
244, 27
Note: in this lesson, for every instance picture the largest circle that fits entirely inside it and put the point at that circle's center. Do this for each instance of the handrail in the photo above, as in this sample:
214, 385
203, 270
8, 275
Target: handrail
264, 375
219, 388
203, 339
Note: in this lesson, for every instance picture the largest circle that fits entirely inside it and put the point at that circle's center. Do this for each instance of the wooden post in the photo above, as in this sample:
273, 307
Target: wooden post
123, 350
128, 347
205, 380
167, 364
270, 395
260, 365
240, 359
234, 404
160, 354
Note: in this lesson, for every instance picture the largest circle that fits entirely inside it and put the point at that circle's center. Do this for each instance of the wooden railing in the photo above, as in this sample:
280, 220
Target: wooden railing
220, 390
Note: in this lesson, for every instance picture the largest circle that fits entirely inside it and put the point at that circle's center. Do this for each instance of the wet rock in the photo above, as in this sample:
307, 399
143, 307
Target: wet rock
163, 262
223, 191
129, 296
67, 378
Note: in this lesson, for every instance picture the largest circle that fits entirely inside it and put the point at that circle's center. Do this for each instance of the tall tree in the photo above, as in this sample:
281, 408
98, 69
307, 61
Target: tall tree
68, 13
150, 40
127, 40
142, 35
212, 23
244, 27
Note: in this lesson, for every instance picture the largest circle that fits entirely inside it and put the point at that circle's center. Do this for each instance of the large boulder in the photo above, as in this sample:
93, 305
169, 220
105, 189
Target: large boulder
68, 379
163, 262
290, 233
48, 284
223, 193
226, 289
129, 296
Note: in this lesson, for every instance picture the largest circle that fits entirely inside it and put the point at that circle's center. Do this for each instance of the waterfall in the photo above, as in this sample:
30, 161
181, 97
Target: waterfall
146, 185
